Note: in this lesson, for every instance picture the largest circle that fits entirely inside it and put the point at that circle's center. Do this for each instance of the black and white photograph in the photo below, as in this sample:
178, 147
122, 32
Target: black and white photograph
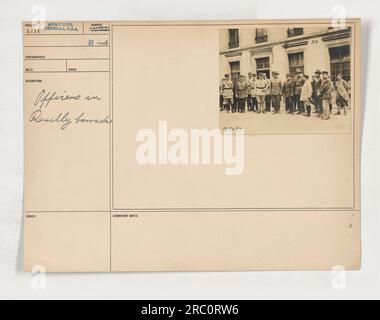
286, 79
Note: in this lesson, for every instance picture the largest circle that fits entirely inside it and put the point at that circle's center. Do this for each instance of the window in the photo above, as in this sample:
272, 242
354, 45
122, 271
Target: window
296, 62
262, 66
235, 69
261, 35
340, 62
233, 38
292, 32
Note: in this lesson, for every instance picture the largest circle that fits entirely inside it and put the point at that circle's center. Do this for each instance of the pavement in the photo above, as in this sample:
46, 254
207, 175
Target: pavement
283, 123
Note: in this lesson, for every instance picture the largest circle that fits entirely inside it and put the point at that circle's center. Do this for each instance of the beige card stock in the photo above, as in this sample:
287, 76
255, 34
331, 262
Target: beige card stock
99, 96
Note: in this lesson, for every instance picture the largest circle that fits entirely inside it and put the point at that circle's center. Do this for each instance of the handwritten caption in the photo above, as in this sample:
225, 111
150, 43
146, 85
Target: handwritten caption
45, 100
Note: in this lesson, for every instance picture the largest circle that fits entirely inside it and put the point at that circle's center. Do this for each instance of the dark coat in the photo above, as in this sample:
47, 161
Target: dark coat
299, 84
324, 90
288, 88
241, 89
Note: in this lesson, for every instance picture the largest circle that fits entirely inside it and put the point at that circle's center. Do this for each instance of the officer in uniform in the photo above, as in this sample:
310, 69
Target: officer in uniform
325, 95
234, 90
332, 93
313, 95
316, 89
342, 96
249, 91
253, 93
306, 94
299, 82
288, 93
226, 88
241, 93
276, 91
267, 92
261, 90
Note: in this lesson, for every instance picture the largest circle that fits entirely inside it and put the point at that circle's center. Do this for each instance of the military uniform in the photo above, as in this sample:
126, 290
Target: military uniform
241, 93
299, 82
276, 91
267, 95
306, 93
314, 94
342, 95
234, 101
288, 93
261, 90
253, 95
317, 99
250, 85
332, 90
227, 93
325, 96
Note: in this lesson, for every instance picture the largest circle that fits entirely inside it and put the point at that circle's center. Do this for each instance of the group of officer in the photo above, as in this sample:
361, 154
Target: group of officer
299, 93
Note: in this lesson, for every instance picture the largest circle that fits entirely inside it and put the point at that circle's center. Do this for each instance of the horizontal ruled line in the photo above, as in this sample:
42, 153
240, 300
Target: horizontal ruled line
39, 59
82, 46
187, 211
67, 34
61, 71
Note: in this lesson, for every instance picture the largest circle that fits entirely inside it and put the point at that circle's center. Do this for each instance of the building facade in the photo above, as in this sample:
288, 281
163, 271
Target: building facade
285, 50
